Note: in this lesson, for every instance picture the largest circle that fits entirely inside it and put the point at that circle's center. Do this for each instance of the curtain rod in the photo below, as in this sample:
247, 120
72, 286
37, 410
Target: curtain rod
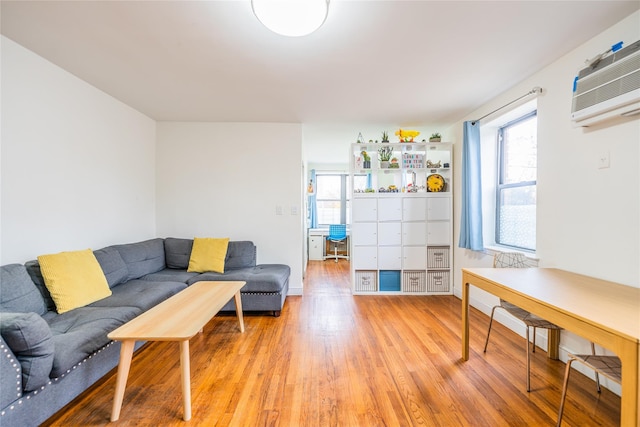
536, 89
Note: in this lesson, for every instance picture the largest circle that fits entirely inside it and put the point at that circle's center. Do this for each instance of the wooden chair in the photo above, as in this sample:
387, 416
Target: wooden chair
518, 260
609, 366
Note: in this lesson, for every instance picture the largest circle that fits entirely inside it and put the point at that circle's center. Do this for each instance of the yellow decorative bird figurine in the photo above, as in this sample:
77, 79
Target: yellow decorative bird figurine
407, 135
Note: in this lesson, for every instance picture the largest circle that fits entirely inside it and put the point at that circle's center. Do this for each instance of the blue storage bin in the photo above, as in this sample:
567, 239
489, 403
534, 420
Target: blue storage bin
389, 280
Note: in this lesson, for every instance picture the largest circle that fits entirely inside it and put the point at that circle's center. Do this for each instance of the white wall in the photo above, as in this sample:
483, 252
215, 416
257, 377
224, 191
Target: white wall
77, 165
588, 219
227, 180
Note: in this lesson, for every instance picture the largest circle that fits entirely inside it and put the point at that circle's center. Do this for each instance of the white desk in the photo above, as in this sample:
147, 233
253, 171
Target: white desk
317, 242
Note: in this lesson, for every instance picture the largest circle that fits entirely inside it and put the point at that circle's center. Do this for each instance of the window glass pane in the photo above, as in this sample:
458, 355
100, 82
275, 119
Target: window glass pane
517, 217
520, 151
516, 189
332, 192
359, 183
328, 186
328, 212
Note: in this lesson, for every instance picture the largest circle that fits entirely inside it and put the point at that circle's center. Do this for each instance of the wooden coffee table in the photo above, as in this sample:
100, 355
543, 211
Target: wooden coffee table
176, 319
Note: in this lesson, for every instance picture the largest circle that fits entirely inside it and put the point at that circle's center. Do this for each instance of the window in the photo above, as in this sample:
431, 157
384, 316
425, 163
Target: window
331, 198
516, 184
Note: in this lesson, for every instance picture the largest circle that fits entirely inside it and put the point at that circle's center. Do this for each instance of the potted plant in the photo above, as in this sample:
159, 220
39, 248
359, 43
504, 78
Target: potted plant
385, 136
384, 154
366, 160
435, 137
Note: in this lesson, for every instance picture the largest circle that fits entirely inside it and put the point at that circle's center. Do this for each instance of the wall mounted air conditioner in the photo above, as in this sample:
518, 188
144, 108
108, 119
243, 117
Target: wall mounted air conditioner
608, 87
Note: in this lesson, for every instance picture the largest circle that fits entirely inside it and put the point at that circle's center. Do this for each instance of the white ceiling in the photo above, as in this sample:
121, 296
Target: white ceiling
400, 62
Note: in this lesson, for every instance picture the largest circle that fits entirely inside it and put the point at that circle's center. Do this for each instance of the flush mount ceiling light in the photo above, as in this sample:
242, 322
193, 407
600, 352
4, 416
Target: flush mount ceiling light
291, 18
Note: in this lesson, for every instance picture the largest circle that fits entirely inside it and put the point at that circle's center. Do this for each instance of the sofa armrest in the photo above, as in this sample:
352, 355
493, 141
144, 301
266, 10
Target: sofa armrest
11, 374
31, 342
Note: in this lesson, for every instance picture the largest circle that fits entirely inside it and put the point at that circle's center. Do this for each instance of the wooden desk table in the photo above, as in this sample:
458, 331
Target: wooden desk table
178, 318
606, 313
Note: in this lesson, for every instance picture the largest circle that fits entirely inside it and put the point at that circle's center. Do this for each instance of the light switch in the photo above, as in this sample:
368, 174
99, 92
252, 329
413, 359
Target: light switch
603, 160
278, 210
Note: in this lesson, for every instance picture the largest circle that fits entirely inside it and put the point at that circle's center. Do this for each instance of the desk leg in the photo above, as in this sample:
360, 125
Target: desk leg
126, 353
553, 344
465, 319
630, 400
185, 371
238, 299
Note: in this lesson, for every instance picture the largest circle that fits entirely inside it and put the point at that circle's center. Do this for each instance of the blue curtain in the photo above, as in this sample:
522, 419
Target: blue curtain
471, 218
313, 207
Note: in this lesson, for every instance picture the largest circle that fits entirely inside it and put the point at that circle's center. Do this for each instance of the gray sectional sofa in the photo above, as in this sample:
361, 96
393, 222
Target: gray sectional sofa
47, 359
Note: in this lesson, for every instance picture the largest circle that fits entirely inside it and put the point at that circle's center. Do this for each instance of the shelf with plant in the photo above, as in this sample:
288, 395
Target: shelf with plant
384, 155
366, 159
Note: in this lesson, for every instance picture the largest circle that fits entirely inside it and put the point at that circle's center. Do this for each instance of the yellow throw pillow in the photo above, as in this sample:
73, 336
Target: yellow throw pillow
208, 254
74, 279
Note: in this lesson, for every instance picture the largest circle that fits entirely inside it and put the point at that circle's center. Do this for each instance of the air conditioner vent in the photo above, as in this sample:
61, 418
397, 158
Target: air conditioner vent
610, 87
607, 91
611, 73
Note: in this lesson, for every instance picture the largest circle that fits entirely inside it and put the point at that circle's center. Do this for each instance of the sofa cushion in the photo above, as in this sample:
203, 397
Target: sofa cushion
208, 254
261, 278
142, 294
112, 264
240, 254
33, 268
30, 339
142, 257
170, 275
18, 293
177, 252
73, 278
79, 333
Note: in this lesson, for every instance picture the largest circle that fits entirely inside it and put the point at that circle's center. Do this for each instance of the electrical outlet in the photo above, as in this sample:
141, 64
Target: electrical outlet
294, 210
603, 160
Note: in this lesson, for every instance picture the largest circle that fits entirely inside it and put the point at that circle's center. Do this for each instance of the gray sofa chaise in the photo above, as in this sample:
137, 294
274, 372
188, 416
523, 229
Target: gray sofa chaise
48, 359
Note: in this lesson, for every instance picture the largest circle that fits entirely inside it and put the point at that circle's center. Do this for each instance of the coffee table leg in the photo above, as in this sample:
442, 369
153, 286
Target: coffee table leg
186, 378
239, 310
126, 353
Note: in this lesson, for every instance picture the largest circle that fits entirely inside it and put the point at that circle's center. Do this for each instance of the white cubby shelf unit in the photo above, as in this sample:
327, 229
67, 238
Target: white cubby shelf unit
401, 232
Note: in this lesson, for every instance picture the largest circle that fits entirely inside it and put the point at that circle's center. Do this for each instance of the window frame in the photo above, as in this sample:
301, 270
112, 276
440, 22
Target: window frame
343, 200
500, 186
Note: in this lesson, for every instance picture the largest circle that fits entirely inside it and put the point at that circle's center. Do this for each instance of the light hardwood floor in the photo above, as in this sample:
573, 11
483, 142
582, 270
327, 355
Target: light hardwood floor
333, 359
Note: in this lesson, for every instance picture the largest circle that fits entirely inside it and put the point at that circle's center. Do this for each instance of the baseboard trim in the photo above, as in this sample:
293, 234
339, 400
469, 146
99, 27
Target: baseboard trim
294, 291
